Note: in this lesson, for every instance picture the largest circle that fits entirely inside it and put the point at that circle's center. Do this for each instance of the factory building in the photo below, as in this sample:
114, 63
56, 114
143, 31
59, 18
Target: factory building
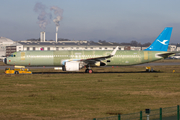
3, 43
68, 45
60, 45
8, 46
13, 48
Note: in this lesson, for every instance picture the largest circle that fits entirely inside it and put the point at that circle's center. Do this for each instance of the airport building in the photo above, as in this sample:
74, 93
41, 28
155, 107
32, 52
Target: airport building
60, 45
68, 45
8, 46
3, 43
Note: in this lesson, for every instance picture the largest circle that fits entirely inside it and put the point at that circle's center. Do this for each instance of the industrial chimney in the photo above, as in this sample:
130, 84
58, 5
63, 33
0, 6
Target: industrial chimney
56, 36
57, 33
42, 36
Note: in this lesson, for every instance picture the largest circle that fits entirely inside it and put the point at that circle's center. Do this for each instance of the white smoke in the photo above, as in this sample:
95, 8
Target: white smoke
43, 17
58, 13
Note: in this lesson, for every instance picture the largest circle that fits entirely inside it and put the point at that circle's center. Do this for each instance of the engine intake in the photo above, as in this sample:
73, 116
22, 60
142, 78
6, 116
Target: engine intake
71, 66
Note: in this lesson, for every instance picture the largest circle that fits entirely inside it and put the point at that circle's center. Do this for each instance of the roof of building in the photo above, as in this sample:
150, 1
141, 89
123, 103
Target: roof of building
60, 43
4, 39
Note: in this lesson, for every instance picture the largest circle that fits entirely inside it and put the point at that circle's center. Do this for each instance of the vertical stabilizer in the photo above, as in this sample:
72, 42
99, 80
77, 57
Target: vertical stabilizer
162, 41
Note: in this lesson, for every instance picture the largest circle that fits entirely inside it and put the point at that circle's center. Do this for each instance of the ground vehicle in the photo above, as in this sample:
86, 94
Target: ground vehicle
17, 71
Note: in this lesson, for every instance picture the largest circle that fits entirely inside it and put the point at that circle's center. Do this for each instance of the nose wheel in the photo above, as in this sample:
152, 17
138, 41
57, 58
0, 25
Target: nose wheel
88, 71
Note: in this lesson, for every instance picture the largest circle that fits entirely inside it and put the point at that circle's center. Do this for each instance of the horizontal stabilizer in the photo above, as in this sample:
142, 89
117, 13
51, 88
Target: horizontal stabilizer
167, 54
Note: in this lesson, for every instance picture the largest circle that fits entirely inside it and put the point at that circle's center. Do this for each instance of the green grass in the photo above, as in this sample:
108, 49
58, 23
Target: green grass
86, 96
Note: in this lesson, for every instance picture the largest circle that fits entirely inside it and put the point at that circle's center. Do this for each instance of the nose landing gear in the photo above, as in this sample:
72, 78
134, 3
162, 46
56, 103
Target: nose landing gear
88, 71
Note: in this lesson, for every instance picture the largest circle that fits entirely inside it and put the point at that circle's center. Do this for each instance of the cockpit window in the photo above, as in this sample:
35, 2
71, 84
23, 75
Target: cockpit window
12, 55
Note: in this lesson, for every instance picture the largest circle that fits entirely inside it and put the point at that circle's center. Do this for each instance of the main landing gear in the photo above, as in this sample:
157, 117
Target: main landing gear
88, 71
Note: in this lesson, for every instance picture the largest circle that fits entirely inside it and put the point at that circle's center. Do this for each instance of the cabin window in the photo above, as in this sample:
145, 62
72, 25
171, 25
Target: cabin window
105, 47
48, 48
85, 47
91, 47
57, 48
100, 47
119, 48
27, 48
34, 48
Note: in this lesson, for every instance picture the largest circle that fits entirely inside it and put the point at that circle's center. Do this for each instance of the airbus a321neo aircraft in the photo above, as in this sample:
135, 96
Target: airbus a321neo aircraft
74, 60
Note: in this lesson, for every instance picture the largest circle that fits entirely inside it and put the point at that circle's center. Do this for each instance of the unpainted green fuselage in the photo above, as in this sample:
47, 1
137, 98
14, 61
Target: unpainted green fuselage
57, 58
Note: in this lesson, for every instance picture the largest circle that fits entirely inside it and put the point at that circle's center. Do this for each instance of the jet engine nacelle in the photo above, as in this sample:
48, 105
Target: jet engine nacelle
71, 66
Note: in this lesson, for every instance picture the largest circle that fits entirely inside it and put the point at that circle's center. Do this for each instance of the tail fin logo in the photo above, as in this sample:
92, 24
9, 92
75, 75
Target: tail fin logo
163, 42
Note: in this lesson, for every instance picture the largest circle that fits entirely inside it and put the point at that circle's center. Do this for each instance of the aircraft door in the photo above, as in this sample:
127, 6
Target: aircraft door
146, 56
22, 56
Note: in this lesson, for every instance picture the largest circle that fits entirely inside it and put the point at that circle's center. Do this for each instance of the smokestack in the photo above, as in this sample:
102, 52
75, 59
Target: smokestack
42, 36
57, 33
56, 37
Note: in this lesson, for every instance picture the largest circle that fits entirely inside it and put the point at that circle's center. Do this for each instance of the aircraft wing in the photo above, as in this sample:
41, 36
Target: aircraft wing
93, 60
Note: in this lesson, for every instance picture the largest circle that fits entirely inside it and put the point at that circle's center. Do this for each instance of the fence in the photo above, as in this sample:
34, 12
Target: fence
170, 113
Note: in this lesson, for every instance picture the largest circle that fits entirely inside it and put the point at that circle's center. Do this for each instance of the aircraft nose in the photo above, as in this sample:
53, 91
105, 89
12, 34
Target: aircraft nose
5, 60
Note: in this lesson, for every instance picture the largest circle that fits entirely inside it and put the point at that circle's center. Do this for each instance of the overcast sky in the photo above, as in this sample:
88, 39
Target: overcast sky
110, 20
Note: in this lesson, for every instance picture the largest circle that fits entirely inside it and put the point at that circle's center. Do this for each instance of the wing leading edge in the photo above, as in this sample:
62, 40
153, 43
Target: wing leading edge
93, 60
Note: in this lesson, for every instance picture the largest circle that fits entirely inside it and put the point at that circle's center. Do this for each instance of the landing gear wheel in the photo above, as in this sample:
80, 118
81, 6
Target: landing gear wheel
87, 71
16, 72
90, 71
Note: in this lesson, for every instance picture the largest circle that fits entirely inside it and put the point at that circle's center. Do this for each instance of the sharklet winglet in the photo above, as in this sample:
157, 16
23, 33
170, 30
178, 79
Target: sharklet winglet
114, 51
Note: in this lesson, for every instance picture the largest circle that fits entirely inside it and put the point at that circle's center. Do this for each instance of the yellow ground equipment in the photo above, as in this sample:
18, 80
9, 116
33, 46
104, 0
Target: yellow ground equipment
149, 69
17, 71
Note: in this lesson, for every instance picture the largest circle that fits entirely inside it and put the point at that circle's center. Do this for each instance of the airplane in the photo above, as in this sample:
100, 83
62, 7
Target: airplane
74, 60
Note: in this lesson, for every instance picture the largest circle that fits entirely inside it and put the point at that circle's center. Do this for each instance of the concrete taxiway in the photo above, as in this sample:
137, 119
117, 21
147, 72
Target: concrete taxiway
146, 64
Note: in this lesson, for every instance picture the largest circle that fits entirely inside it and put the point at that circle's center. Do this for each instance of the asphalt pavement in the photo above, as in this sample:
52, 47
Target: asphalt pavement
146, 64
